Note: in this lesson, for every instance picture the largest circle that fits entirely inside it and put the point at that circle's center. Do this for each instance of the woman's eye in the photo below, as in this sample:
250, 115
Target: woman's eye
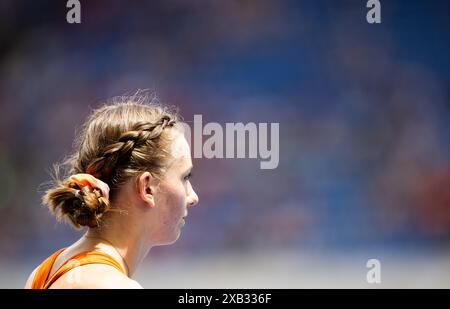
187, 177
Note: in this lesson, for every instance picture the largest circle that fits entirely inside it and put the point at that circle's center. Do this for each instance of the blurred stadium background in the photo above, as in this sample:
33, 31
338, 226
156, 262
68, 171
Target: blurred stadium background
364, 133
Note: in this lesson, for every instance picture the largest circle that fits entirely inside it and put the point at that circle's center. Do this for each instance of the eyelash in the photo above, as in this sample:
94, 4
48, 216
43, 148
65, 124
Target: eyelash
187, 177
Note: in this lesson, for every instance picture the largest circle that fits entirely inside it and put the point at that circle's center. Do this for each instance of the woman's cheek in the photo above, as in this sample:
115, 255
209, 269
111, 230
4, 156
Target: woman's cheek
177, 200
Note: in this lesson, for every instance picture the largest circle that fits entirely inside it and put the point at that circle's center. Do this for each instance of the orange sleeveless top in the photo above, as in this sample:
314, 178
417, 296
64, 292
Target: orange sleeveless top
42, 280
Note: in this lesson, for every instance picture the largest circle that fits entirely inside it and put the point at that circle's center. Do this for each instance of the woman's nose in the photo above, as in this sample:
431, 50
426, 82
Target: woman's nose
192, 198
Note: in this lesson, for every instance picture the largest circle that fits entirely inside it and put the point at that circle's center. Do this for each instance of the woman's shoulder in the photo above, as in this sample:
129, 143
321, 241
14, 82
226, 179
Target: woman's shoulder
30, 279
95, 276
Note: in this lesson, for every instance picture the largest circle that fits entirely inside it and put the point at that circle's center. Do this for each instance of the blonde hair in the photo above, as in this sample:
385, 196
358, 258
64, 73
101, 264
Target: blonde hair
118, 141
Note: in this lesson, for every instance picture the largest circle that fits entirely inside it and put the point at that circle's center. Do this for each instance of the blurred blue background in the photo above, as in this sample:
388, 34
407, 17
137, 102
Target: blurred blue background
363, 111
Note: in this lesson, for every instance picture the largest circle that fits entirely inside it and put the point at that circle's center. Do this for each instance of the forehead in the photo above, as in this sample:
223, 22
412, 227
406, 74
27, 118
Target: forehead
181, 152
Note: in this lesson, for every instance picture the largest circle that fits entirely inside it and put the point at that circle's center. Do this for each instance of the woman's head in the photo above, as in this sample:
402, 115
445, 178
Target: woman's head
129, 141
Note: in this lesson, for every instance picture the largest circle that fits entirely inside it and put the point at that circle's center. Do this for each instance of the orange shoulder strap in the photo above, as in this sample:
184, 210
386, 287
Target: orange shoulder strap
83, 258
44, 269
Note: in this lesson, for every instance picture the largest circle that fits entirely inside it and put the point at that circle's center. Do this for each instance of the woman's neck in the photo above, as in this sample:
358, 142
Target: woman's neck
129, 244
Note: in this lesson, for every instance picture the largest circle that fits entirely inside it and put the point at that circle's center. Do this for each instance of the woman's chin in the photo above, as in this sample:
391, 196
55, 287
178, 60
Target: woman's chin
173, 239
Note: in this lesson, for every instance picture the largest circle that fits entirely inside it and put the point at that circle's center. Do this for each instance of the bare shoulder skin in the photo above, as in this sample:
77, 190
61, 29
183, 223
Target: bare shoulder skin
30, 279
95, 276
92, 276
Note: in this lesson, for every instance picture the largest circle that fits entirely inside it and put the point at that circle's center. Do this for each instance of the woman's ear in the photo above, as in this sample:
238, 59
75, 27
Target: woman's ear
146, 189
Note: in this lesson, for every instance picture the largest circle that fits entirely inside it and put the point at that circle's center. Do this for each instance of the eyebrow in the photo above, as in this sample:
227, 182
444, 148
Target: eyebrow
189, 169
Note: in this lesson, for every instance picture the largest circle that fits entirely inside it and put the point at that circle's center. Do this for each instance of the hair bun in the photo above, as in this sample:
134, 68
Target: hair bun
82, 207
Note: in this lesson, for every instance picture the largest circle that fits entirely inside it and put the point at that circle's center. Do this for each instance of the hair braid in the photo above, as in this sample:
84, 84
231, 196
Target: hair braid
114, 154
